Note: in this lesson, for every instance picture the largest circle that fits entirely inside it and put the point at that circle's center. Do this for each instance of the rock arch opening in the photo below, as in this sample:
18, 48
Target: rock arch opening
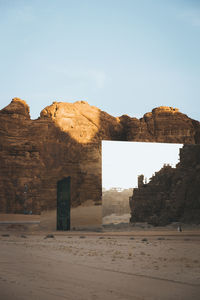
128, 167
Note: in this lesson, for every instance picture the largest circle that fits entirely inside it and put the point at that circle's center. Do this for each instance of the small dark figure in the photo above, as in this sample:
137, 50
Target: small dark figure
179, 228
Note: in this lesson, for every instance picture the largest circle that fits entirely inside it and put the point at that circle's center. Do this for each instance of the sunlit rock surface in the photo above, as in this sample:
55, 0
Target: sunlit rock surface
66, 141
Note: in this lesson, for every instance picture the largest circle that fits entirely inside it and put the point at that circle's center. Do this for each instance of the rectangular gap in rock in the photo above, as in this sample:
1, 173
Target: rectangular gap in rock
127, 169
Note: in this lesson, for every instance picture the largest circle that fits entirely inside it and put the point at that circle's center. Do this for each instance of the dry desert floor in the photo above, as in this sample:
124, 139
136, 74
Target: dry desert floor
106, 265
136, 263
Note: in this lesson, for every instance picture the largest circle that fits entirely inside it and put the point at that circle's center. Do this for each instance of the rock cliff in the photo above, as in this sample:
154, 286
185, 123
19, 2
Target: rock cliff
66, 141
173, 194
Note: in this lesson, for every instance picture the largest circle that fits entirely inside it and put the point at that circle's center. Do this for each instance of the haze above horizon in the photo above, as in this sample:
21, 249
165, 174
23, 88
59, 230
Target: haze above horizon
125, 57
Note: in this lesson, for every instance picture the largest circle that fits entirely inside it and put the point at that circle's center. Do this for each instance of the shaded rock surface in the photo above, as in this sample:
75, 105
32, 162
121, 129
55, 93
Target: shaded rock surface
66, 141
173, 194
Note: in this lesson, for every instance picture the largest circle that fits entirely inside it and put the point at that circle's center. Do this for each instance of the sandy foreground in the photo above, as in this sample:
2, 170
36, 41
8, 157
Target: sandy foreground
105, 265
137, 263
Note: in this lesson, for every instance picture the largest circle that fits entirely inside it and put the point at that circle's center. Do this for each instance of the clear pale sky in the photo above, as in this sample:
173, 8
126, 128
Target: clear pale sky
122, 162
123, 56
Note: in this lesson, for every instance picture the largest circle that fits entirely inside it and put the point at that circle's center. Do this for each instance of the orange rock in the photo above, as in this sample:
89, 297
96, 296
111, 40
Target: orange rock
66, 141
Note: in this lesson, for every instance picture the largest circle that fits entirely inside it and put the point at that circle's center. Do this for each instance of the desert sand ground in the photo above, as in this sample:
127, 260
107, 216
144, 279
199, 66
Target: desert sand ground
135, 264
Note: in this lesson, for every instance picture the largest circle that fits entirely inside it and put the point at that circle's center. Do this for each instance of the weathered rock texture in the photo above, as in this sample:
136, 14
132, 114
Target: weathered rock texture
173, 194
66, 141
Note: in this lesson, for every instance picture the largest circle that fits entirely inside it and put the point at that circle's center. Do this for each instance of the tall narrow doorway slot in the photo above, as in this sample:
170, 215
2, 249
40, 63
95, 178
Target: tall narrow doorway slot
63, 204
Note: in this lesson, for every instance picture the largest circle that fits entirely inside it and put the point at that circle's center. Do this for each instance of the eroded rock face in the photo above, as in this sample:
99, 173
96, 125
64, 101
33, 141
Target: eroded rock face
66, 141
17, 109
164, 125
173, 194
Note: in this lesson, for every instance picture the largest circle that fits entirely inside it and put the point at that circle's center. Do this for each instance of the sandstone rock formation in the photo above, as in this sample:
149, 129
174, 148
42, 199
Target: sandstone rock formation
173, 194
164, 125
66, 141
